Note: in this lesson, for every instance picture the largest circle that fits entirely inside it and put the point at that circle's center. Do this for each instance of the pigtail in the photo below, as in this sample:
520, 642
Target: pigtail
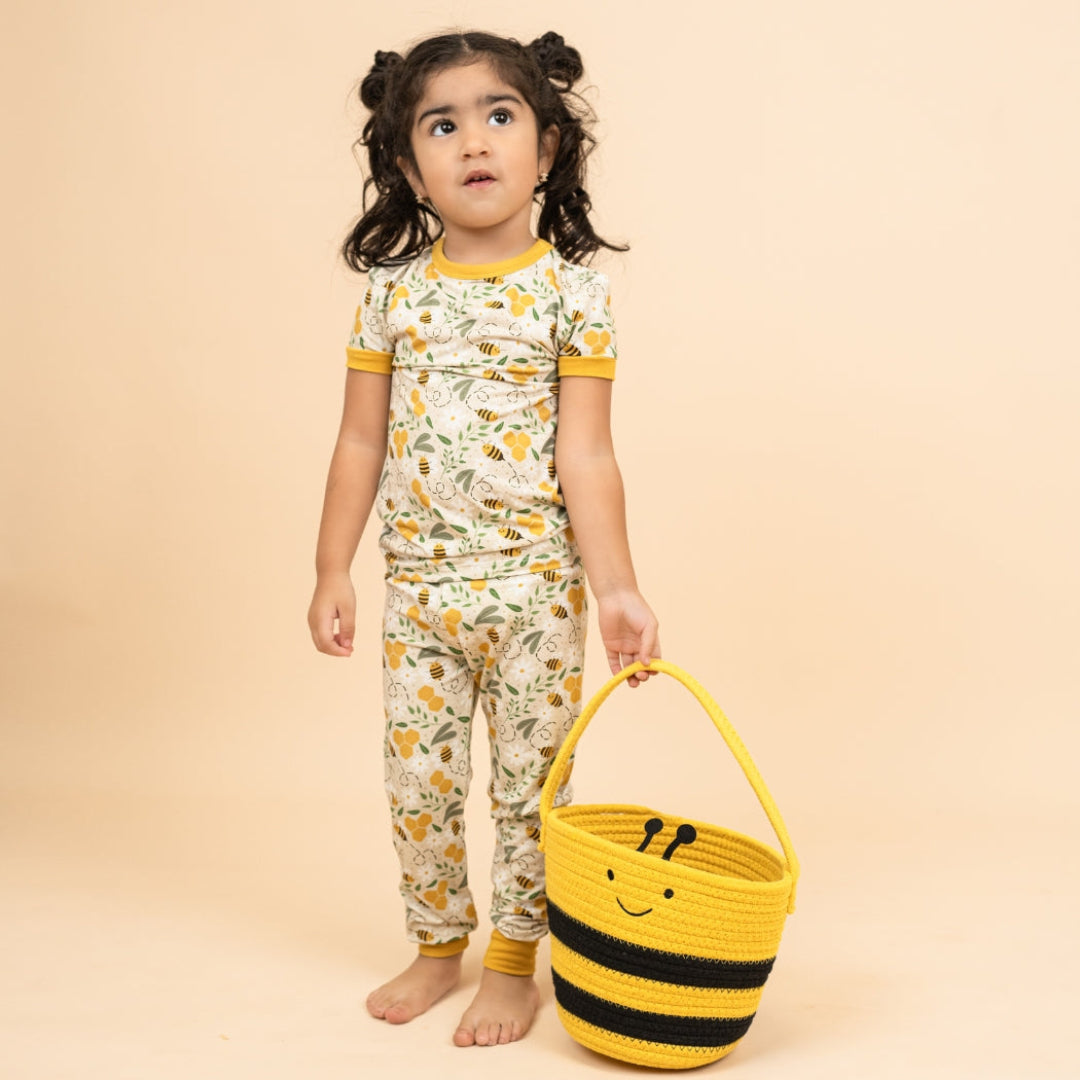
394, 226
565, 204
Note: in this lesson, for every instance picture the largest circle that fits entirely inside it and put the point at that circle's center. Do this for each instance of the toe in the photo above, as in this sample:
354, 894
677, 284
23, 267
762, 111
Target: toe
463, 1037
398, 1014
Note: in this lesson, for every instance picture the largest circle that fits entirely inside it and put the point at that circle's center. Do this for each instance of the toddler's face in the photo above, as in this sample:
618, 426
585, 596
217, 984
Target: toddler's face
477, 150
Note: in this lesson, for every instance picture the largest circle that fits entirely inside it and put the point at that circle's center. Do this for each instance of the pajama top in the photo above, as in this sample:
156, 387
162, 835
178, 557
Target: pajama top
475, 353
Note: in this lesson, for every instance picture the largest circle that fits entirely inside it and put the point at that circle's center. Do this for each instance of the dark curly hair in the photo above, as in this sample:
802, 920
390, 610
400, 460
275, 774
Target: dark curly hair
394, 227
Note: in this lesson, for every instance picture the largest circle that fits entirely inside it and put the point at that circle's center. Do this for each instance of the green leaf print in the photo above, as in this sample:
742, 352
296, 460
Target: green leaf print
424, 444
532, 641
445, 441
489, 616
429, 652
451, 811
443, 733
440, 532
512, 607
459, 528
465, 479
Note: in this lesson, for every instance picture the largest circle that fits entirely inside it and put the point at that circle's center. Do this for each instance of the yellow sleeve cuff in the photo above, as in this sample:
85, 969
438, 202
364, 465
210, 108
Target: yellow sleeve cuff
599, 367
365, 360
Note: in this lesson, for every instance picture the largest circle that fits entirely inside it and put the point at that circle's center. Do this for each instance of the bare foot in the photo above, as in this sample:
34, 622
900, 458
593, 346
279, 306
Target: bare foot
501, 1012
416, 989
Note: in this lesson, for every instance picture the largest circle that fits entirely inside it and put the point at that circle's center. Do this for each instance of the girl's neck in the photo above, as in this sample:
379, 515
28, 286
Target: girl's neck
482, 246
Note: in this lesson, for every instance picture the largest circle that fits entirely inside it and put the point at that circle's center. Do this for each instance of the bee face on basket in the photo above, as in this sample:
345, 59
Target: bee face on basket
685, 834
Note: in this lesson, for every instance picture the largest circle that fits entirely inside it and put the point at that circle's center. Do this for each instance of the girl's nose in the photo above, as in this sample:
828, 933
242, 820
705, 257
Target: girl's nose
475, 142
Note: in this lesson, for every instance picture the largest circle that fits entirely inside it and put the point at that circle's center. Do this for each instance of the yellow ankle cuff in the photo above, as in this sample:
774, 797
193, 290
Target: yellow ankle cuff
449, 948
510, 957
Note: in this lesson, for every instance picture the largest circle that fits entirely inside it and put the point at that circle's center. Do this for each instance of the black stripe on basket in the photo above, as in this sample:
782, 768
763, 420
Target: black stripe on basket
652, 1027
611, 952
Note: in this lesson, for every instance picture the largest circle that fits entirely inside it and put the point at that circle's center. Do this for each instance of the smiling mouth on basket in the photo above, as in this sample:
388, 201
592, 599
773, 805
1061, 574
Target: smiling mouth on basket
635, 914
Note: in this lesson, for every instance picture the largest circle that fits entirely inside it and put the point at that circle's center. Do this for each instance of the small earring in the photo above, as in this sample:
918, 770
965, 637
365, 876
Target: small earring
543, 178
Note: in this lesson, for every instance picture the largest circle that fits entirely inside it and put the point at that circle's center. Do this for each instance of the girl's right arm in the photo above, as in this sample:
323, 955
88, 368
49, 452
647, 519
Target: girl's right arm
355, 469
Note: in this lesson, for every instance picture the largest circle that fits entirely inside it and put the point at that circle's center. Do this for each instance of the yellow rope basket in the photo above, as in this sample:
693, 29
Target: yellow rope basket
663, 931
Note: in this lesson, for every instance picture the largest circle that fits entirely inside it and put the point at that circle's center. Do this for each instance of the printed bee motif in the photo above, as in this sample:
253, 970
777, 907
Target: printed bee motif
492, 452
424, 595
524, 882
552, 575
425, 317
493, 504
424, 466
446, 754
494, 304
489, 348
558, 611
436, 670
439, 551
422, 378
509, 534
487, 414
553, 664
491, 373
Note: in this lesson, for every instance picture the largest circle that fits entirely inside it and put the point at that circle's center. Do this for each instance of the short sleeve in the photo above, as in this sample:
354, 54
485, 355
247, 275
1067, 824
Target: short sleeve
587, 330
370, 348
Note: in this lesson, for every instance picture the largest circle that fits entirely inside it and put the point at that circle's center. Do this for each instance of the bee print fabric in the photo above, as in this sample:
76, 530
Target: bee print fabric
469, 488
514, 646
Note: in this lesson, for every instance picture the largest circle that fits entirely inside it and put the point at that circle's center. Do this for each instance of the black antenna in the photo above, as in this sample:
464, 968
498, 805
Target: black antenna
652, 827
686, 834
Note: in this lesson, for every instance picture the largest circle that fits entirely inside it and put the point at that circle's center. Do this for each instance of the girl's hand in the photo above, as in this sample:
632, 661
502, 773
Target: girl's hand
630, 632
334, 598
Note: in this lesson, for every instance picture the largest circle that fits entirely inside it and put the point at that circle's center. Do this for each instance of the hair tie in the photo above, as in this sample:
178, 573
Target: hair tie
560, 63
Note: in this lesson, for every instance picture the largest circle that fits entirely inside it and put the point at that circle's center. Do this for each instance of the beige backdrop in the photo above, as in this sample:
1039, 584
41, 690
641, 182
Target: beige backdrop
853, 491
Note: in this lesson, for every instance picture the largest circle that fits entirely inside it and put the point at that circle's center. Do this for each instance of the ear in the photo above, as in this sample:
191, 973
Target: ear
549, 147
412, 176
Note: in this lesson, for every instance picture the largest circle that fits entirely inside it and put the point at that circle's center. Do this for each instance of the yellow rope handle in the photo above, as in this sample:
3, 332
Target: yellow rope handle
723, 725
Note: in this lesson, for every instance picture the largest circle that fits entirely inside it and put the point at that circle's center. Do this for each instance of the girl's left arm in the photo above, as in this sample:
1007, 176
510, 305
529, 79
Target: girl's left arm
592, 489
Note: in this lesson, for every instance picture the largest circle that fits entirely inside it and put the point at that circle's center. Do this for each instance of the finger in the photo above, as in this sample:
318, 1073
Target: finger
346, 628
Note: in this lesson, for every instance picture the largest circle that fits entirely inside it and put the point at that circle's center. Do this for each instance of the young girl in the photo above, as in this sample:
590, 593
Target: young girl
477, 419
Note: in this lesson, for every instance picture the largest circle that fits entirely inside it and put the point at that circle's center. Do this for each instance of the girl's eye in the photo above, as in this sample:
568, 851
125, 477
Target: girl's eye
442, 127
500, 117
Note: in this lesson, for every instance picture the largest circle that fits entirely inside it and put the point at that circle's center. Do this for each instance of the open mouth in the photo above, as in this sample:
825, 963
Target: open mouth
636, 914
479, 179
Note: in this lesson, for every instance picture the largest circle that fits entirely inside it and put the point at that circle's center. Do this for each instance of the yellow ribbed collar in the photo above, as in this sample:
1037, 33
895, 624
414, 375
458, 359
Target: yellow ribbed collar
476, 271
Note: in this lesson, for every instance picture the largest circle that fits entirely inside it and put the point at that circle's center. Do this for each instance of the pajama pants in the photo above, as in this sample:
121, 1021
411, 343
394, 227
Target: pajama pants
515, 644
